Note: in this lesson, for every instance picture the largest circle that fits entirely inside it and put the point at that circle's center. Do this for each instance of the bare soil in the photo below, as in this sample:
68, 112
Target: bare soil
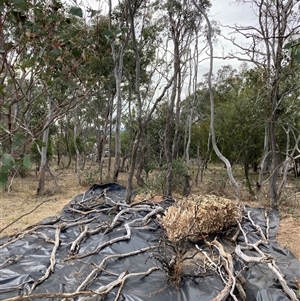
16, 205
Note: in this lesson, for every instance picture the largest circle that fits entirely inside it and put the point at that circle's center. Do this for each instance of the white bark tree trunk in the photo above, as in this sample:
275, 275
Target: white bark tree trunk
43, 151
118, 73
212, 105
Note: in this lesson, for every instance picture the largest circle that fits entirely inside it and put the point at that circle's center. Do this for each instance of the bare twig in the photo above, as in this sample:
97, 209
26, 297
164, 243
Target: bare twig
50, 295
11, 181
99, 248
77, 241
257, 227
211, 262
275, 269
52, 260
122, 278
228, 265
101, 266
115, 220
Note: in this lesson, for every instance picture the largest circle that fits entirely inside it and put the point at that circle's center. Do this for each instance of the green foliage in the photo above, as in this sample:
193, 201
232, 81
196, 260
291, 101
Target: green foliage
158, 179
9, 163
27, 162
76, 11
294, 51
89, 176
79, 145
240, 116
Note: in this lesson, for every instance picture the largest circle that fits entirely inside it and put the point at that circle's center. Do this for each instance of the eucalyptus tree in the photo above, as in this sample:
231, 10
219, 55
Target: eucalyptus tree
239, 118
201, 9
97, 112
195, 112
118, 40
183, 21
62, 74
277, 26
19, 90
149, 78
40, 63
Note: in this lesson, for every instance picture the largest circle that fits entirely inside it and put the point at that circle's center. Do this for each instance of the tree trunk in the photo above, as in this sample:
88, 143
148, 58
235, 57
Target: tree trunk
118, 72
77, 158
110, 139
248, 182
118, 128
142, 120
129, 186
170, 111
43, 152
141, 125
176, 139
141, 165
275, 161
212, 105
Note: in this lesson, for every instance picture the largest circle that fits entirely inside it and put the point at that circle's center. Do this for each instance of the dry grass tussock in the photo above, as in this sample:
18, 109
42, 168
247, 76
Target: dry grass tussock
22, 199
199, 215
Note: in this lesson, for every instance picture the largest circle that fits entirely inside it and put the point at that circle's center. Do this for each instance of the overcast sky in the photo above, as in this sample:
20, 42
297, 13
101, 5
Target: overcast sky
229, 13
226, 12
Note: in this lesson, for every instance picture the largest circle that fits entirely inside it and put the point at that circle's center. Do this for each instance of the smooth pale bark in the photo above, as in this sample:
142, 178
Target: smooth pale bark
212, 104
118, 73
142, 120
170, 109
43, 151
110, 138
140, 130
277, 25
77, 156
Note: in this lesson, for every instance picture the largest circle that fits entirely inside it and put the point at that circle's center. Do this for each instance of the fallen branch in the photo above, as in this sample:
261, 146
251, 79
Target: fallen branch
258, 228
10, 260
228, 266
260, 259
50, 295
75, 244
99, 248
126, 210
21, 235
267, 223
105, 289
44, 236
101, 266
275, 269
264, 258
52, 260
143, 220
89, 211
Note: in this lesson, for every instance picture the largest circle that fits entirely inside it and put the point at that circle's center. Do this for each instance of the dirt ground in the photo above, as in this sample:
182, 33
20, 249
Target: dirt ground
16, 205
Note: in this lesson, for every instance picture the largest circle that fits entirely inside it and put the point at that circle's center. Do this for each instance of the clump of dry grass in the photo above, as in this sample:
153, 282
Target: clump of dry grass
199, 215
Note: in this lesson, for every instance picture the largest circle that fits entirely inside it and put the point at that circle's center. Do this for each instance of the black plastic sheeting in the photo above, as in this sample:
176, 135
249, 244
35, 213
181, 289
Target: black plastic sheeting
26, 259
262, 284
